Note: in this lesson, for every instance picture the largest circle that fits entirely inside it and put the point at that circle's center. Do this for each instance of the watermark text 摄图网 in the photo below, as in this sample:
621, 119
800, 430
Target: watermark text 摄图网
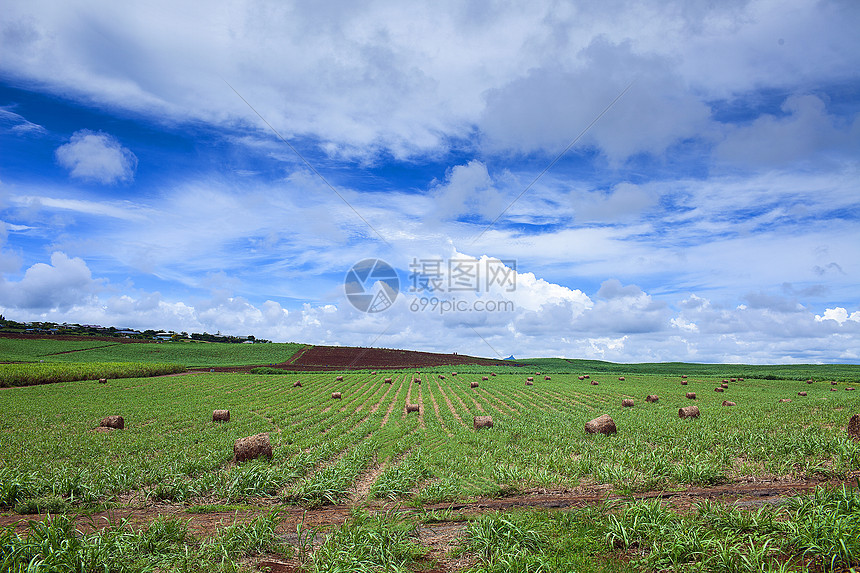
463, 274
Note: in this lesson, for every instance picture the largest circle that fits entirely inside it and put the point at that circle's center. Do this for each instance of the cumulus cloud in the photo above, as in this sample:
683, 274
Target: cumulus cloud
59, 285
97, 157
839, 315
804, 133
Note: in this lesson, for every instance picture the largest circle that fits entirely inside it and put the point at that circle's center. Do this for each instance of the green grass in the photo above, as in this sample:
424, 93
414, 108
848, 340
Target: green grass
46, 373
170, 449
191, 354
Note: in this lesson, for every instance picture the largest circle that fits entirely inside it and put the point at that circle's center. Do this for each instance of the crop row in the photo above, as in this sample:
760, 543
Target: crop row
324, 447
45, 373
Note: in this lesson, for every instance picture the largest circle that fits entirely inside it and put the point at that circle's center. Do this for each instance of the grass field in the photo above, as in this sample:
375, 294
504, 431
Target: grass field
364, 449
187, 353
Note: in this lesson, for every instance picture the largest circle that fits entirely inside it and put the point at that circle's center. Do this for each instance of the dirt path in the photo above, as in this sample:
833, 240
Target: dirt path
743, 494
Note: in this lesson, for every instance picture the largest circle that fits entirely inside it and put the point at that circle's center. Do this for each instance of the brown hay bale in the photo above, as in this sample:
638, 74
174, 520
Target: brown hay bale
339, 379
102, 380
688, 412
719, 389
251, 448
373, 373
582, 377
586, 376
621, 378
809, 381
594, 382
850, 388
740, 379
547, 378
691, 395
833, 382
473, 385
652, 398
727, 403
854, 427
483, 422
627, 402
833, 390
388, 380
734, 379
683, 382
529, 383
785, 400
492, 373
724, 386
601, 425
221, 415
441, 377
417, 380
453, 373
683, 375
801, 393
411, 408
335, 396
115, 422
484, 378
530, 379
297, 384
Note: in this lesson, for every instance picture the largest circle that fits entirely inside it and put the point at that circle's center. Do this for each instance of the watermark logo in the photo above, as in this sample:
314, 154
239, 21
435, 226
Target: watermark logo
371, 285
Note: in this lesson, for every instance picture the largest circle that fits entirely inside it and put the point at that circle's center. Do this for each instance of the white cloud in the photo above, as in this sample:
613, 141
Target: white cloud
59, 285
839, 315
18, 124
97, 157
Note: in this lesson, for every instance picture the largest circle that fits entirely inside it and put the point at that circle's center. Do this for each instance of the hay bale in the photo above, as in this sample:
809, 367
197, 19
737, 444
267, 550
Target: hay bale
102, 380
833, 389
484, 378
221, 415
297, 384
833, 382
652, 398
373, 373
417, 380
483, 422
339, 379
727, 403
492, 373
594, 382
547, 378
683, 382
688, 412
411, 408
740, 379
453, 373
734, 379
850, 388
601, 425
529, 383
621, 378
582, 377
724, 386
854, 427
627, 402
586, 376
335, 396
115, 422
530, 379
801, 393
719, 389
782, 400
691, 395
388, 380
809, 381
473, 385
441, 377
251, 448
683, 375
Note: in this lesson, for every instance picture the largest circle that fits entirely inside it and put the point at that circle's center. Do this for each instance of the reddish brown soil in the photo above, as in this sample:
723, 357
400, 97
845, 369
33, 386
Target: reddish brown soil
115, 339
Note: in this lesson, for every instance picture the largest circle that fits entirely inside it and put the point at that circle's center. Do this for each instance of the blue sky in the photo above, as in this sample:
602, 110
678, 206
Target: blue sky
710, 214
